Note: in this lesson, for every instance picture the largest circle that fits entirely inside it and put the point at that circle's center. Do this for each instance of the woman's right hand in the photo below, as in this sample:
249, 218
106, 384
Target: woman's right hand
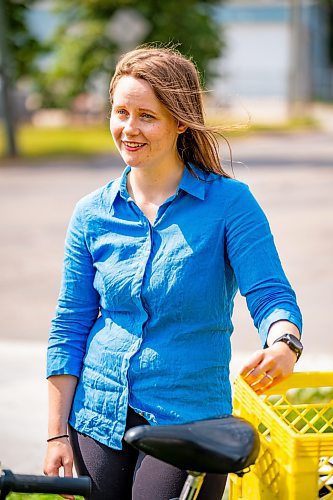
59, 455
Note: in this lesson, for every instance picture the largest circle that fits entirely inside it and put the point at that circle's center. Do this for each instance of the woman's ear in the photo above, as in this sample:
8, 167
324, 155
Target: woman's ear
181, 127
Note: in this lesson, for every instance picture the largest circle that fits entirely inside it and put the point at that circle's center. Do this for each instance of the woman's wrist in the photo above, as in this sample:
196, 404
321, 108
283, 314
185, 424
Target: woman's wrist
57, 436
280, 328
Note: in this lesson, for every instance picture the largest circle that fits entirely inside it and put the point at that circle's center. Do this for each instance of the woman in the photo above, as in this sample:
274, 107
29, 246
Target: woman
152, 264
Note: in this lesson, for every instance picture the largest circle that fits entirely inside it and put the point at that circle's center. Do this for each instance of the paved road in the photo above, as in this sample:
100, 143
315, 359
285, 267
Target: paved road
291, 176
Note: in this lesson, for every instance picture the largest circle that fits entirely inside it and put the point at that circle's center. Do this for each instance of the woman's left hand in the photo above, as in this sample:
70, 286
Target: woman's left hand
267, 367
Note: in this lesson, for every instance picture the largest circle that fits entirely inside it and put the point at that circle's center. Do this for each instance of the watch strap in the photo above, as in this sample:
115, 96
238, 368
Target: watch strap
292, 342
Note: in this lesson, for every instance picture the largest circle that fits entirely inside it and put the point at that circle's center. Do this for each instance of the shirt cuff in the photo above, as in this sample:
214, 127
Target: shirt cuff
278, 315
60, 364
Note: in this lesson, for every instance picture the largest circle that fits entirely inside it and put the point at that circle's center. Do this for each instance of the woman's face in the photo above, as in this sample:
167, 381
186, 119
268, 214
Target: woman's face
143, 130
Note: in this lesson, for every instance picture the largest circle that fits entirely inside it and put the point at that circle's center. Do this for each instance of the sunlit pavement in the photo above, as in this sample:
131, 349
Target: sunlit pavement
291, 176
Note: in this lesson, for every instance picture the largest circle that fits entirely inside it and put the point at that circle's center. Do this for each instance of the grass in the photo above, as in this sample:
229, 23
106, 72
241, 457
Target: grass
34, 142
22, 496
26, 496
246, 127
38, 142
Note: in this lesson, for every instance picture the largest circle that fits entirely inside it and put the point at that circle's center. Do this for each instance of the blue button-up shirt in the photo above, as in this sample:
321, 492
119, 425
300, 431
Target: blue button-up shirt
144, 312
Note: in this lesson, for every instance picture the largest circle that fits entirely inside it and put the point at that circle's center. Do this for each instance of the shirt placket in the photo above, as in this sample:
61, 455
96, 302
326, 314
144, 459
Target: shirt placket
141, 280
143, 258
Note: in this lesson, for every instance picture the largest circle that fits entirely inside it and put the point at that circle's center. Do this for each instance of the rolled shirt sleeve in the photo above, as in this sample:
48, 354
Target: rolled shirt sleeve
256, 264
78, 303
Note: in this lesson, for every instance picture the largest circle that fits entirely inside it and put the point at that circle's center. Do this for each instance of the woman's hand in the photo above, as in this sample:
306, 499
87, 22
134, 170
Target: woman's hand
59, 455
267, 367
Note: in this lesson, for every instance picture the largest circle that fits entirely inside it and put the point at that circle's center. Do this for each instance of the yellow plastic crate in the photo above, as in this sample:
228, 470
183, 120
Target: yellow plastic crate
296, 453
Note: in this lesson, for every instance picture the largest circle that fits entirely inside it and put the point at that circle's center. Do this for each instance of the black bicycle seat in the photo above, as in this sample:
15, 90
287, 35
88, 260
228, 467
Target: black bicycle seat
219, 445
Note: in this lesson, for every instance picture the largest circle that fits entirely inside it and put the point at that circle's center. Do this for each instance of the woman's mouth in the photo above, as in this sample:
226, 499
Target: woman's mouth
133, 146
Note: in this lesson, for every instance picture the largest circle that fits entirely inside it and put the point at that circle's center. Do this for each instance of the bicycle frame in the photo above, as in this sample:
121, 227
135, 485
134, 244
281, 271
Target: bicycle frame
192, 485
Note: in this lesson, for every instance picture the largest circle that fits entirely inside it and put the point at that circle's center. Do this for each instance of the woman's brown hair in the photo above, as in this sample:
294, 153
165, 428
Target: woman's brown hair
176, 83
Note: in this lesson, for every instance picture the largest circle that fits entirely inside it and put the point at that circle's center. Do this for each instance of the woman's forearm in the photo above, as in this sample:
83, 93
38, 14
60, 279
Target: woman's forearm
61, 391
279, 328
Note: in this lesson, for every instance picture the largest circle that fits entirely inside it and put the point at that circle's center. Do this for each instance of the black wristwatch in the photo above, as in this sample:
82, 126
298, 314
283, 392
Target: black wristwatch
292, 342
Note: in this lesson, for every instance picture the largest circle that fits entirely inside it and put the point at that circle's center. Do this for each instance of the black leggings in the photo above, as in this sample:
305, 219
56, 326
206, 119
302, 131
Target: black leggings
129, 474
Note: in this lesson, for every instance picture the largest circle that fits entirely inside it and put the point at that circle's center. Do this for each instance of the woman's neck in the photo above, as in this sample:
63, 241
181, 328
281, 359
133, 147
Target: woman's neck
154, 185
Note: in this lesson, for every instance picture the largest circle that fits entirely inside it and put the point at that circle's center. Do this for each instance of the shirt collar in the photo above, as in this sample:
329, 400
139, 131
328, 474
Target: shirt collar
192, 182
118, 186
123, 184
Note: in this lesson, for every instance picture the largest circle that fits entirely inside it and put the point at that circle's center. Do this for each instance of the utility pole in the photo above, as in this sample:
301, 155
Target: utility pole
11, 149
299, 72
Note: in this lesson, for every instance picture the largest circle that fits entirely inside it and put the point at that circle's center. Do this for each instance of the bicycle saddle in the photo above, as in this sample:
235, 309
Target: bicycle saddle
220, 445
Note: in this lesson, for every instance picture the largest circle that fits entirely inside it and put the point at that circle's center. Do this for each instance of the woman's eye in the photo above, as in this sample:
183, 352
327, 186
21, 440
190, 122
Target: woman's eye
147, 115
121, 111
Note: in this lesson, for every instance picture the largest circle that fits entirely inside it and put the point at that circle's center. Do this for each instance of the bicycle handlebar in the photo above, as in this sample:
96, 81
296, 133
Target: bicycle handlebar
24, 483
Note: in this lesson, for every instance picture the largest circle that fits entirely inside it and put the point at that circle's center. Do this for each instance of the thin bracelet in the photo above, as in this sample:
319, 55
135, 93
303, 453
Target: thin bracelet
57, 437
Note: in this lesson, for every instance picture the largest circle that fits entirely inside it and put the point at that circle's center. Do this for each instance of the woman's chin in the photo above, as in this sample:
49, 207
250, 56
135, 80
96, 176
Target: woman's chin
131, 160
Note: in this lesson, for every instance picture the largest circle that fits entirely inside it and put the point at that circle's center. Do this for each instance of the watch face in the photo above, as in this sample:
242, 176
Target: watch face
297, 343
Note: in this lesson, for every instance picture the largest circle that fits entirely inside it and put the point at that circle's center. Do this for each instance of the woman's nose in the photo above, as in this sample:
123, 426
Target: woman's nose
131, 127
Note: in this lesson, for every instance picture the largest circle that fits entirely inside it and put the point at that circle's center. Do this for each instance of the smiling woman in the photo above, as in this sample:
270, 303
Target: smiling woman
146, 135
141, 125
153, 261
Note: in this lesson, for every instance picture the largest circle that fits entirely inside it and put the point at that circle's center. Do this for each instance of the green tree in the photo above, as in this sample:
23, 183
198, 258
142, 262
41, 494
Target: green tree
85, 46
329, 10
19, 50
23, 47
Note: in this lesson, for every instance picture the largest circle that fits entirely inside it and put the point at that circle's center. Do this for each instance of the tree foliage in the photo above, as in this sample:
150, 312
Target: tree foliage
84, 50
329, 9
23, 47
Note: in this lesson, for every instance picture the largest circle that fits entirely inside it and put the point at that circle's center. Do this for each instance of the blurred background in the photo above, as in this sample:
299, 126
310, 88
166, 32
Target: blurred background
264, 62
267, 66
